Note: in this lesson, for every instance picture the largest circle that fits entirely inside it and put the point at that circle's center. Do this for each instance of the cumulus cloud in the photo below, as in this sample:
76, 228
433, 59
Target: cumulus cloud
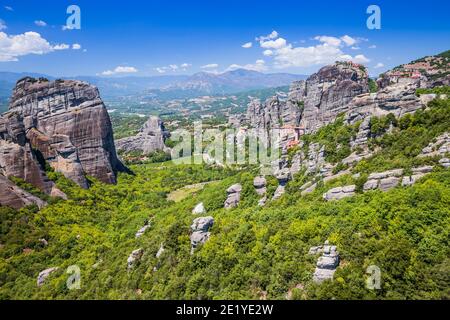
119, 70
76, 46
259, 65
247, 45
272, 35
331, 41
349, 41
210, 66
40, 23
328, 50
379, 65
185, 65
273, 44
14, 46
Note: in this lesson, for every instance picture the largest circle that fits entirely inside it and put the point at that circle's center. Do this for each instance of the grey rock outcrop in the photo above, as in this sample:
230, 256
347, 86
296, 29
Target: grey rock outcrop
383, 180
43, 275
328, 92
260, 184
440, 147
142, 230
199, 209
63, 123
340, 193
445, 162
200, 231
151, 138
134, 258
233, 196
327, 263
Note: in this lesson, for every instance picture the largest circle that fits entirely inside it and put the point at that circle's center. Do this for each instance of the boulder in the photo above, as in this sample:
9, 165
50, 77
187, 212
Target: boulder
233, 196
445, 162
199, 209
142, 230
200, 231
134, 258
260, 185
43, 275
327, 262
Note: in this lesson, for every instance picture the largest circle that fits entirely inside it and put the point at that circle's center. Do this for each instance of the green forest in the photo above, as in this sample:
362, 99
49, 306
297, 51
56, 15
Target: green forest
253, 252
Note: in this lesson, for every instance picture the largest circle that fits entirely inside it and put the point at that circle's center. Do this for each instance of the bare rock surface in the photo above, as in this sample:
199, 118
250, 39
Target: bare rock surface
63, 123
151, 138
233, 196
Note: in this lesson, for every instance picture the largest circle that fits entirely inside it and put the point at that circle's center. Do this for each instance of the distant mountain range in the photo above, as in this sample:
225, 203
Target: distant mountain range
169, 86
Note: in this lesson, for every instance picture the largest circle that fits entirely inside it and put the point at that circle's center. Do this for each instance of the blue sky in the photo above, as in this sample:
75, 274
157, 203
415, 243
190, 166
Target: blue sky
184, 37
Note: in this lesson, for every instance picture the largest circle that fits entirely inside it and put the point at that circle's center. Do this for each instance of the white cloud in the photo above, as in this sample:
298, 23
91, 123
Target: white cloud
273, 44
40, 23
247, 45
349, 41
174, 67
8, 8
61, 46
186, 65
14, 46
161, 69
331, 41
360, 58
372, 47
379, 65
76, 46
3, 25
259, 65
119, 70
355, 48
329, 50
210, 66
272, 35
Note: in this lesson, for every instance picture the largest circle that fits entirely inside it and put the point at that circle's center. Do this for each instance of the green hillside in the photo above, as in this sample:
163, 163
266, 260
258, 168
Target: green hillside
253, 252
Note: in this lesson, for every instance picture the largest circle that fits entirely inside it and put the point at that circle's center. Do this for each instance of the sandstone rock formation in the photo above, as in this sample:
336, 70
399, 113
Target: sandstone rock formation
16, 198
151, 138
328, 92
63, 123
200, 231
233, 196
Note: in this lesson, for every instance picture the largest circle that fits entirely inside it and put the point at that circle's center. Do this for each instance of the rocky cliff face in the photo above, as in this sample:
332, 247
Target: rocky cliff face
151, 138
311, 103
328, 92
62, 123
